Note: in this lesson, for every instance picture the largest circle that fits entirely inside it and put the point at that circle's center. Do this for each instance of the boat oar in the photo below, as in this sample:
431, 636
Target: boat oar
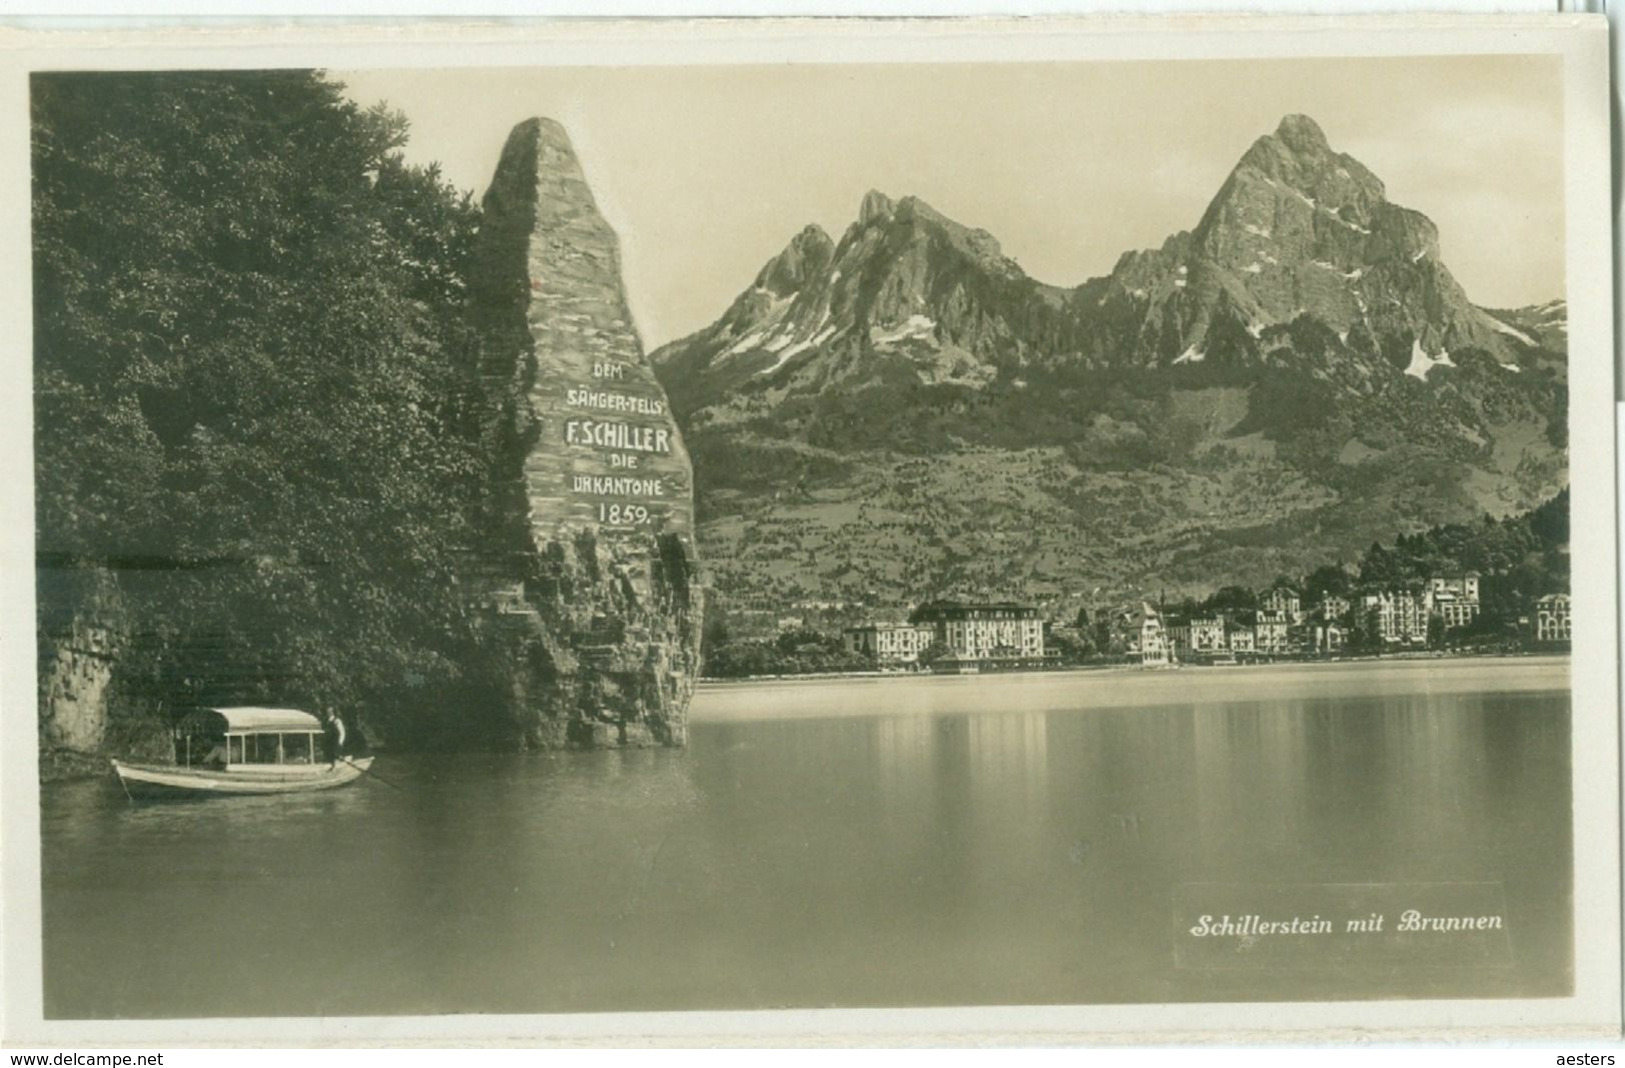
374, 774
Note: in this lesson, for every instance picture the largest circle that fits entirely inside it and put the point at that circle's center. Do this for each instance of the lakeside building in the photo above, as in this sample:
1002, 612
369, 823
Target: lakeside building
1284, 600
1456, 599
1177, 633
890, 644
1552, 618
1397, 616
1148, 641
1329, 637
1199, 636
1332, 609
1284, 627
1400, 617
1207, 634
984, 631
1270, 632
1155, 639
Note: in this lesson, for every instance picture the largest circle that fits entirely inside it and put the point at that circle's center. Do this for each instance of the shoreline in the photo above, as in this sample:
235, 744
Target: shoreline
1299, 684
1136, 671
1060, 689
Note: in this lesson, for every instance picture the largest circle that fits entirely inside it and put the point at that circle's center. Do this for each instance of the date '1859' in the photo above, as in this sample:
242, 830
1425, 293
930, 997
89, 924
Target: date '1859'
623, 514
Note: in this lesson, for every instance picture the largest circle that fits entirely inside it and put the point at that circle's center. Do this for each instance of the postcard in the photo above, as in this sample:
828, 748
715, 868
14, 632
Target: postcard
811, 531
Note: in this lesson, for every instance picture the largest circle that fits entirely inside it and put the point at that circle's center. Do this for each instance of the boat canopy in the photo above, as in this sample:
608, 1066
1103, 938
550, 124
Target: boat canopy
257, 720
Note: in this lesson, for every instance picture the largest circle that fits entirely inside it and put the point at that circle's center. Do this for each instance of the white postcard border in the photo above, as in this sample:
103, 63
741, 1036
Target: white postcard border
1594, 1010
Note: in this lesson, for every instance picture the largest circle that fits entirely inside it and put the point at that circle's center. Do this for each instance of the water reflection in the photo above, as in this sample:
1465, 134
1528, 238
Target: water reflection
944, 853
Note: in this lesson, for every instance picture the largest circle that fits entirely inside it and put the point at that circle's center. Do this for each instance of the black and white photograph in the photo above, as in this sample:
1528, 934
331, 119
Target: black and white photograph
1109, 526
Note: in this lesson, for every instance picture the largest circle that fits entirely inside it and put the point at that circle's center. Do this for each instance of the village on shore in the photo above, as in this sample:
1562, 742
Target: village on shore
1235, 626
968, 637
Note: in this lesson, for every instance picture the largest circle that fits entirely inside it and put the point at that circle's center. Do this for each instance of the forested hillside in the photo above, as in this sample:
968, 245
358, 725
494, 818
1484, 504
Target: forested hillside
255, 433
1518, 558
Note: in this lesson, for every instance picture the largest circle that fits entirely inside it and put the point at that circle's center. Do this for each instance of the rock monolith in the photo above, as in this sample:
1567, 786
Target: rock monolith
592, 581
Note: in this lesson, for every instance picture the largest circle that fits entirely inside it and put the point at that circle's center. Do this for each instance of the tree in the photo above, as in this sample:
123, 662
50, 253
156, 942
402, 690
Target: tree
1231, 599
1362, 630
1436, 630
1074, 648
1380, 567
1328, 580
715, 633
250, 365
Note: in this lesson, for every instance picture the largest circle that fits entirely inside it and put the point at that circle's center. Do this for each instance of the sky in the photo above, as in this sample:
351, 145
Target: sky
707, 172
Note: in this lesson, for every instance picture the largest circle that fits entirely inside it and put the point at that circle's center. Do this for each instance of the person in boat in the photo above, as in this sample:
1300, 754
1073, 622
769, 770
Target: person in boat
333, 729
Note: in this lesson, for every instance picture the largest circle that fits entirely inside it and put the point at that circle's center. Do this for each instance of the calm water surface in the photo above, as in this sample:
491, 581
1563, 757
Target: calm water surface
886, 842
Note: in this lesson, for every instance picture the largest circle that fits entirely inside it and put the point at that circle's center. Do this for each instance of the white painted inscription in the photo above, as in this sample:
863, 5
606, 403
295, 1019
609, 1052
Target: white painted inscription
613, 402
611, 434
623, 443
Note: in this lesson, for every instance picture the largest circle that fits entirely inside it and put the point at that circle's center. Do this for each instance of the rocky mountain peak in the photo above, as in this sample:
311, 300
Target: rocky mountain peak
1298, 233
1298, 228
876, 206
805, 258
911, 212
1302, 135
1296, 160
971, 241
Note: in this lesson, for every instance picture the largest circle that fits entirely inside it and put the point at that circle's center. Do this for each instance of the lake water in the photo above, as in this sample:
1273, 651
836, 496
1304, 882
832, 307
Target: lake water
1021, 839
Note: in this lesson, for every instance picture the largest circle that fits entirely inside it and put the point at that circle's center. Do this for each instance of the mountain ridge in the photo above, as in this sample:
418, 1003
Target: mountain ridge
1304, 326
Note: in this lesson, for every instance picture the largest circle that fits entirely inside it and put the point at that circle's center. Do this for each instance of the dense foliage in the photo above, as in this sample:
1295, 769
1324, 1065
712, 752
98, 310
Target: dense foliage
1518, 559
249, 379
794, 652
